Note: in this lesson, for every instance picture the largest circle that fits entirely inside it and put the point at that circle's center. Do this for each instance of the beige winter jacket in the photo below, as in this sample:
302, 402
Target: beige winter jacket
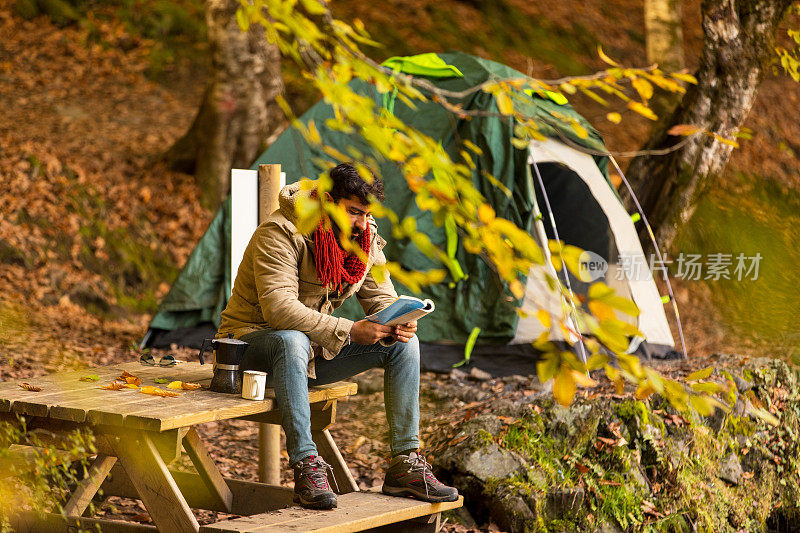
277, 287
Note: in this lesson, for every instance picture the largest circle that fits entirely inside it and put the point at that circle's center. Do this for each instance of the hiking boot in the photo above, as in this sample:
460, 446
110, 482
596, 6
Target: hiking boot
311, 489
410, 475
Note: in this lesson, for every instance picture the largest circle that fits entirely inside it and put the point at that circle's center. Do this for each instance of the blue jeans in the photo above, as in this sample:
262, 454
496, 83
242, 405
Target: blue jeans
285, 354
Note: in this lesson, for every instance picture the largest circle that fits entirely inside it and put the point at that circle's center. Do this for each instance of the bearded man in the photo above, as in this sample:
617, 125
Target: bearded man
287, 286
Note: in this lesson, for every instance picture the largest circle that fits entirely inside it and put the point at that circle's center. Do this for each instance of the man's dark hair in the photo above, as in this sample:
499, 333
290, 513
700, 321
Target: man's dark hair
347, 182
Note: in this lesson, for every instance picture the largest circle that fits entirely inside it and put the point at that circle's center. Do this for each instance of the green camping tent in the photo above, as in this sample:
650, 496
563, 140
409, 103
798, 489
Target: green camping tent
587, 211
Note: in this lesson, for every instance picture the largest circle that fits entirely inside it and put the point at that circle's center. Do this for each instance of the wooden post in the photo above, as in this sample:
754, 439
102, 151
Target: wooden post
269, 435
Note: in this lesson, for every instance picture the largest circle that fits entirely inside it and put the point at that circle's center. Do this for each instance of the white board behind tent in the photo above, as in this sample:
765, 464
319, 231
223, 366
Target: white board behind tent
244, 213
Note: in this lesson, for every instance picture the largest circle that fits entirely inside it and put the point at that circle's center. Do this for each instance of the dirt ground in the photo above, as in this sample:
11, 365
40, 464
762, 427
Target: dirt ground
81, 129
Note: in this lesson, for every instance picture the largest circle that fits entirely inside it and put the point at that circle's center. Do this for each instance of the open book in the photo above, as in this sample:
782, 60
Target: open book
403, 310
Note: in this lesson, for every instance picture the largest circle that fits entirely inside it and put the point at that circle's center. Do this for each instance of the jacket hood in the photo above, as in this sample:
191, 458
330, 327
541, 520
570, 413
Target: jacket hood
287, 200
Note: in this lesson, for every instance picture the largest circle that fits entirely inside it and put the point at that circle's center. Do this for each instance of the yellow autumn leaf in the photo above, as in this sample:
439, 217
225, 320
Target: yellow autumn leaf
697, 375
643, 87
601, 310
504, 103
703, 405
564, 387
150, 390
643, 110
485, 213
614, 117
644, 390
580, 131
688, 78
175, 385
583, 380
544, 318
605, 58
683, 129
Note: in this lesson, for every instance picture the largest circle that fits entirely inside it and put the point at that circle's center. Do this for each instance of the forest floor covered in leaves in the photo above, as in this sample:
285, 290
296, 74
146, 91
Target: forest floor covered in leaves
93, 228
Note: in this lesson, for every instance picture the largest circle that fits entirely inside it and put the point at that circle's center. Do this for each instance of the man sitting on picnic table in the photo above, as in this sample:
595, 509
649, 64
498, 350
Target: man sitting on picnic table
287, 286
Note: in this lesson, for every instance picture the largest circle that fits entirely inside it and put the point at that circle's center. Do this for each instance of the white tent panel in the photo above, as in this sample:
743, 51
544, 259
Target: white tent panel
652, 320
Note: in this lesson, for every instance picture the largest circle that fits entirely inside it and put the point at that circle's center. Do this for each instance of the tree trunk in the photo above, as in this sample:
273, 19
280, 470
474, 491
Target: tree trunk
737, 45
238, 110
664, 38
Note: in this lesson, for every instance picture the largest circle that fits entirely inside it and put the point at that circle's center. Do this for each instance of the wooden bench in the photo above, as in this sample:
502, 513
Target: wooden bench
137, 436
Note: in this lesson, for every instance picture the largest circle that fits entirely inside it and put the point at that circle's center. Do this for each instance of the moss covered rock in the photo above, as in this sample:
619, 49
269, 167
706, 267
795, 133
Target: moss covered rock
629, 465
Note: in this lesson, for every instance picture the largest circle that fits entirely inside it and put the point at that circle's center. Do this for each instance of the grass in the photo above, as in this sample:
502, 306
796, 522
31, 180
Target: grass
752, 215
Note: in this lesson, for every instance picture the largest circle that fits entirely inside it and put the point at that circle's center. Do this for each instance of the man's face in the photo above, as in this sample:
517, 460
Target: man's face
358, 214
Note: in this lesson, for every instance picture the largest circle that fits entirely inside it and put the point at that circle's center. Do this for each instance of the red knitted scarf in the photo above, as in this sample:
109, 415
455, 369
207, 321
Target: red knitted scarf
334, 265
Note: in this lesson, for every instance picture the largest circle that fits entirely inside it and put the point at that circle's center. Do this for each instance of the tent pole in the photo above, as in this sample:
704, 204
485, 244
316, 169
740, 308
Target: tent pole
563, 264
655, 247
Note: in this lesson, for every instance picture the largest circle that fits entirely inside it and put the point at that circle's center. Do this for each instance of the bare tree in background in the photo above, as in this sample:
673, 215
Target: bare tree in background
238, 111
738, 45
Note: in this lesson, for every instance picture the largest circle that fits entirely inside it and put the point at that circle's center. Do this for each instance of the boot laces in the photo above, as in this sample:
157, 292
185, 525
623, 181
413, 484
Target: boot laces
419, 464
317, 472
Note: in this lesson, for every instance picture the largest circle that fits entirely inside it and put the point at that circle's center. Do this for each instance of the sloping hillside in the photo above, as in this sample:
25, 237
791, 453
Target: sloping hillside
92, 232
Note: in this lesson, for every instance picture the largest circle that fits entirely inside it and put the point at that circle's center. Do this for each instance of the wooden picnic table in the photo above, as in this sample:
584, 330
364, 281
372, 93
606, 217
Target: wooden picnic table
138, 435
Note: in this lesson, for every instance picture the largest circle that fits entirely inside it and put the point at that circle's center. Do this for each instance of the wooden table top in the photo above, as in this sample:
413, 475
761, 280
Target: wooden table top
65, 397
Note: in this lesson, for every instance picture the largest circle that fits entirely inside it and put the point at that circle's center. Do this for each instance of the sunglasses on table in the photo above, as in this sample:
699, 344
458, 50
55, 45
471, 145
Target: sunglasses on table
147, 359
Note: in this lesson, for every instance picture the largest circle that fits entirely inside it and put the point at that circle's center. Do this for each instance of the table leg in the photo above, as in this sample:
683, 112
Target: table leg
83, 494
330, 452
154, 483
269, 454
209, 473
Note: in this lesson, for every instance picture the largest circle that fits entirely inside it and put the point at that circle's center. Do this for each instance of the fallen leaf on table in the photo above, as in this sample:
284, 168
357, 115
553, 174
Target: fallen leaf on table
28, 386
183, 385
132, 385
161, 381
92, 377
125, 374
155, 391
135, 381
114, 385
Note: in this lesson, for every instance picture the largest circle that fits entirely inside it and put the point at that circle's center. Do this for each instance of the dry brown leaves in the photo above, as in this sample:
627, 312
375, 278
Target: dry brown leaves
114, 385
130, 379
32, 388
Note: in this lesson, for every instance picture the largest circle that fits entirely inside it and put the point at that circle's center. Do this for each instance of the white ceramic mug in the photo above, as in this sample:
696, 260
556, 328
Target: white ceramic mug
253, 385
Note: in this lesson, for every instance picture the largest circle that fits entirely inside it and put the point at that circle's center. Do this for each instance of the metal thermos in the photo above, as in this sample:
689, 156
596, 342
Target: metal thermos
227, 356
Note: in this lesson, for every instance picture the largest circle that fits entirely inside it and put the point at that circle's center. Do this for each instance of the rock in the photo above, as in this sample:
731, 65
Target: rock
490, 462
742, 384
731, 470
576, 424
510, 512
458, 374
479, 375
564, 504
370, 381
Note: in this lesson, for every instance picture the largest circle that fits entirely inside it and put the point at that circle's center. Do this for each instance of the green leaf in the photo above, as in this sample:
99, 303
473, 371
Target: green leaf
697, 375
90, 377
162, 381
469, 346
